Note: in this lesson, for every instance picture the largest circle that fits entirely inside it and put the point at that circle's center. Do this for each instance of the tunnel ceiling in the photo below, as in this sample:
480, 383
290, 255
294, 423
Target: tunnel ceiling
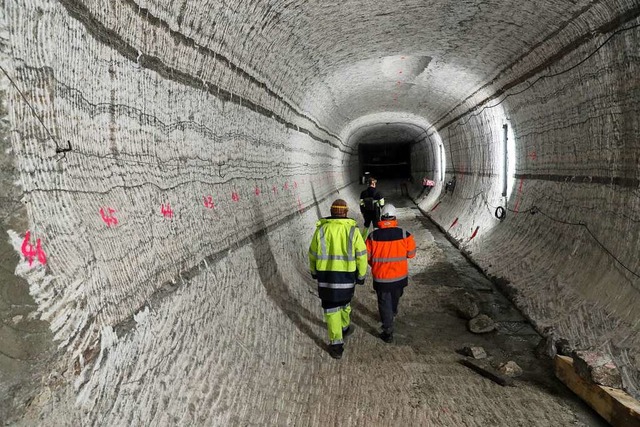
386, 132
341, 60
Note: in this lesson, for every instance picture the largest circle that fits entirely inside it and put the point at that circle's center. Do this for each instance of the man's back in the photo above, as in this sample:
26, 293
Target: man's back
388, 249
370, 199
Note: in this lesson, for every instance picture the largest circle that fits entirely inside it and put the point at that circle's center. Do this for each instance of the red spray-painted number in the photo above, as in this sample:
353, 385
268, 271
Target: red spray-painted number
286, 185
257, 191
208, 202
235, 197
166, 210
108, 216
533, 155
275, 189
295, 184
30, 252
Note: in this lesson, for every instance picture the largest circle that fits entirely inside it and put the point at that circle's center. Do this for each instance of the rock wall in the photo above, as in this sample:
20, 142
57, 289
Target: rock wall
148, 140
135, 168
568, 244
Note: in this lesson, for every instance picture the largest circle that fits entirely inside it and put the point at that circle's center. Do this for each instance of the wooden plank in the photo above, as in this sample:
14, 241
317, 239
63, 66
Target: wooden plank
615, 406
487, 372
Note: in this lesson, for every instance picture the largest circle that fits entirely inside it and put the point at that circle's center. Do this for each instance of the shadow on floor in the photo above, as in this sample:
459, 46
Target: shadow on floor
277, 289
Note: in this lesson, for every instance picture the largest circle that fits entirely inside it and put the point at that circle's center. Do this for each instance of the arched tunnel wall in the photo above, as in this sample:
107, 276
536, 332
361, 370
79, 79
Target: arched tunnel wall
567, 249
172, 165
186, 167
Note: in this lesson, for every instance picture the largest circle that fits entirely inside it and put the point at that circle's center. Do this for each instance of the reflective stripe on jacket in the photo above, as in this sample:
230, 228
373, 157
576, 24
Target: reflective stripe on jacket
389, 247
337, 257
377, 200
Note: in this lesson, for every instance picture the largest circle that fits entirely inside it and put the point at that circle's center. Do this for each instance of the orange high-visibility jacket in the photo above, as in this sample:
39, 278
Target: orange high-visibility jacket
388, 249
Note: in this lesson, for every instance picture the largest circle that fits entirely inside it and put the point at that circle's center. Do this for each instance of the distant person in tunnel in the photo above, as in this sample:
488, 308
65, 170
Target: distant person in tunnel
388, 249
337, 260
371, 201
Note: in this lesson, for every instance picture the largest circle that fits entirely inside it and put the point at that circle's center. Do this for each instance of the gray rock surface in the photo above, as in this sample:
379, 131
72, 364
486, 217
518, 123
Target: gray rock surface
598, 368
196, 129
546, 348
481, 324
511, 369
465, 304
475, 352
564, 347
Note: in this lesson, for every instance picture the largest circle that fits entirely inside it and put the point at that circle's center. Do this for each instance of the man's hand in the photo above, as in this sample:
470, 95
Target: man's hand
360, 281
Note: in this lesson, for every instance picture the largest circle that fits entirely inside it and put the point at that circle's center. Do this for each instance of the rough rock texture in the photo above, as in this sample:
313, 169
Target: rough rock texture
475, 352
151, 139
465, 304
546, 348
253, 354
25, 339
597, 367
481, 324
567, 247
510, 369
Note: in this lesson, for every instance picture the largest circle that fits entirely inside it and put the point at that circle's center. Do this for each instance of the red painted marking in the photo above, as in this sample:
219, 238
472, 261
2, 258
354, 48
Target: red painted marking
455, 221
434, 208
515, 208
257, 191
533, 155
208, 202
108, 217
30, 253
166, 210
474, 233
275, 190
300, 207
235, 196
398, 82
400, 72
286, 185
295, 184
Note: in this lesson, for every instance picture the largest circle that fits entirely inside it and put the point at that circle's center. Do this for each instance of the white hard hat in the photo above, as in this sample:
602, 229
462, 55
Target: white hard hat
388, 210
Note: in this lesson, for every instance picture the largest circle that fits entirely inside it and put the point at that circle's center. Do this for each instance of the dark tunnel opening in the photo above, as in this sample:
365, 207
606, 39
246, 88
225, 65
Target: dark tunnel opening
390, 160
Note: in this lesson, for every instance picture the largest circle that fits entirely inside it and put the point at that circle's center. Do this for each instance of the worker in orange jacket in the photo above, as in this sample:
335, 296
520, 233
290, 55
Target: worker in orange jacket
388, 249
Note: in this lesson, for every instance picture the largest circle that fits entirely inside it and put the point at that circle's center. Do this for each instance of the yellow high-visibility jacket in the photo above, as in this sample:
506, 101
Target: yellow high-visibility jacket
337, 257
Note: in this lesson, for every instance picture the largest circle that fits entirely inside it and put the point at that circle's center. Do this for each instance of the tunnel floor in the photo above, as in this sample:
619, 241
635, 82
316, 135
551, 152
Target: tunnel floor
418, 379
254, 354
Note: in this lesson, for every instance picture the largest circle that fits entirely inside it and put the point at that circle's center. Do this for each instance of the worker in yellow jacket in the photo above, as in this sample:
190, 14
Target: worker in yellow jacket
337, 260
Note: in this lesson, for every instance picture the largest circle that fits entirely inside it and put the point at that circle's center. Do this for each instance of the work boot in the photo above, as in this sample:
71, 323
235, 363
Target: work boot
348, 331
386, 337
336, 351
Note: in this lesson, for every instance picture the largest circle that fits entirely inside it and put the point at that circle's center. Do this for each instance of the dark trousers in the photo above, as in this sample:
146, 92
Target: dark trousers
388, 306
370, 217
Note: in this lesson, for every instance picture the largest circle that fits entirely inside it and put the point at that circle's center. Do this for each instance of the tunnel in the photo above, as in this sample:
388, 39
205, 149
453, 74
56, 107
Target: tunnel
164, 164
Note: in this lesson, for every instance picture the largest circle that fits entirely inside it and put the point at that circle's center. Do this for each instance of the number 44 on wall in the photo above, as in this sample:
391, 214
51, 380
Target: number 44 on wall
32, 252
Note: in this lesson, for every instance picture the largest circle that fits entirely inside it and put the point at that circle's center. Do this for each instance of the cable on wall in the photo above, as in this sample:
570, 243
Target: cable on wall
535, 210
546, 76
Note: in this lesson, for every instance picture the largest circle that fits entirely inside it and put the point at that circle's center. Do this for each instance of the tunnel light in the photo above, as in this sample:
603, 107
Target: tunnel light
505, 158
442, 161
508, 159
